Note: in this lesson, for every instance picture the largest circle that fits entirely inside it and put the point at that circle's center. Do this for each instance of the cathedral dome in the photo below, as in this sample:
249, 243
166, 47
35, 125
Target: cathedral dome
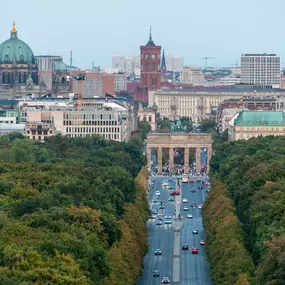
15, 51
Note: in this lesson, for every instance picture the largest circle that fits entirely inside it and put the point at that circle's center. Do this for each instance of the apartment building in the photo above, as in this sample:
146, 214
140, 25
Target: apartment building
95, 85
120, 81
260, 69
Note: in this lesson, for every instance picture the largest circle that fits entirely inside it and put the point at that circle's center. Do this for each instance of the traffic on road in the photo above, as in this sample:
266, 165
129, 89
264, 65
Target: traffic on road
176, 236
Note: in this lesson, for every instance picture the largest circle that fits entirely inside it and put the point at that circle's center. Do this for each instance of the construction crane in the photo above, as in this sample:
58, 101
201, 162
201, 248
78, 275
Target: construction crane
206, 60
80, 78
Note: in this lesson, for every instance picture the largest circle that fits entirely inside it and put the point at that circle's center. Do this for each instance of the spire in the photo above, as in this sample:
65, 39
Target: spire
14, 34
163, 64
150, 41
14, 28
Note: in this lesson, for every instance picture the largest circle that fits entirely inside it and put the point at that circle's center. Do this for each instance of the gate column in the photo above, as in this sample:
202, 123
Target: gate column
159, 160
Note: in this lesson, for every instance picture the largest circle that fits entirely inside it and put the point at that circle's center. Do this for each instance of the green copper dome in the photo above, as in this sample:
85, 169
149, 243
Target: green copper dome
15, 51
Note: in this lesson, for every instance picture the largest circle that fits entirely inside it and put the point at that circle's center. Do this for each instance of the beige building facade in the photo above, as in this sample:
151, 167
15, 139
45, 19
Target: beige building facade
39, 130
147, 115
250, 124
198, 103
192, 74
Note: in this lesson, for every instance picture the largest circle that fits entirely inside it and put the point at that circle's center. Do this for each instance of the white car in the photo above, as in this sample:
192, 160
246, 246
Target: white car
164, 183
184, 200
200, 206
186, 208
167, 222
202, 242
157, 193
168, 217
189, 216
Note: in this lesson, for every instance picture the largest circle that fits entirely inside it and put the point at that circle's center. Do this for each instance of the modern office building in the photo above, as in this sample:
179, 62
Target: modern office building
112, 118
260, 69
249, 124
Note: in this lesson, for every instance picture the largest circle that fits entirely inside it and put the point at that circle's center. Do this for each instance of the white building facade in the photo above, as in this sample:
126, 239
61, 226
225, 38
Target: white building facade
198, 103
260, 69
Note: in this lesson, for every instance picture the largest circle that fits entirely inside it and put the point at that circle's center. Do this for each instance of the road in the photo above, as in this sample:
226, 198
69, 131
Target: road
193, 269
159, 237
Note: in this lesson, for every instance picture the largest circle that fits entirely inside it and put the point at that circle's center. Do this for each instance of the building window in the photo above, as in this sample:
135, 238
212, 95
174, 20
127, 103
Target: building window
149, 118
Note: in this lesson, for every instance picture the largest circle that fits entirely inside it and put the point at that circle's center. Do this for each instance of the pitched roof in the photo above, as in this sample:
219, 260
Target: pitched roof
260, 118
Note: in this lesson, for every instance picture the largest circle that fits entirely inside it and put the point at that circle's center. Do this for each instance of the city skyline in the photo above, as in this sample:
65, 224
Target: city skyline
100, 30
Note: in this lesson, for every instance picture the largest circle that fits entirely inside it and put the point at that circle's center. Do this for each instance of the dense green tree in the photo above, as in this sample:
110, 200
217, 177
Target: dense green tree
64, 206
253, 172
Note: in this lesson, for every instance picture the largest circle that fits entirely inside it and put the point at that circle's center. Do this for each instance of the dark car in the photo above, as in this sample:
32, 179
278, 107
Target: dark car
161, 207
165, 280
170, 187
200, 187
157, 252
156, 273
193, 190
170, 199
192, 181
193, 205
185, 247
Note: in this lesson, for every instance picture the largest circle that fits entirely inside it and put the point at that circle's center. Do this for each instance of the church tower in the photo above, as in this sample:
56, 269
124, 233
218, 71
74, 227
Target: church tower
150, 66
163, 64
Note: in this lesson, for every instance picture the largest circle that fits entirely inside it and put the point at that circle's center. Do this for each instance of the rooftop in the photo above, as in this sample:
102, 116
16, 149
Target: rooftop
260, 118
259, 54
221, 90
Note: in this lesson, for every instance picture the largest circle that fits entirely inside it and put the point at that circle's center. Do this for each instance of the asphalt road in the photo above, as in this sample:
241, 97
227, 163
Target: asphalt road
159, 237
194, 268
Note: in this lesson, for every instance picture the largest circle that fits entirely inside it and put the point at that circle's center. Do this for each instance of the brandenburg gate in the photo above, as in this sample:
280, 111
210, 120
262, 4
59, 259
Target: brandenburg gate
178, 140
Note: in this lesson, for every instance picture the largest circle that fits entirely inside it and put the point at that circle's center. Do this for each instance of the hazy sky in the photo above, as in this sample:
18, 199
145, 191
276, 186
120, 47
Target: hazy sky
96, 30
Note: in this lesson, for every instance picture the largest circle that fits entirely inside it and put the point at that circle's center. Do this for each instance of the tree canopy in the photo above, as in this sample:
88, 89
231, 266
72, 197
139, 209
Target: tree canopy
68, 207
253, 174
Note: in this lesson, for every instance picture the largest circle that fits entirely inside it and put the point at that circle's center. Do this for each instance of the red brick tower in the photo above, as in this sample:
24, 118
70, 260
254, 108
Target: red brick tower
150, 66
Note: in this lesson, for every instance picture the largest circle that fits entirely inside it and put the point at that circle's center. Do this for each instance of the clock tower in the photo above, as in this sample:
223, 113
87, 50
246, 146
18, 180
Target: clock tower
150, 66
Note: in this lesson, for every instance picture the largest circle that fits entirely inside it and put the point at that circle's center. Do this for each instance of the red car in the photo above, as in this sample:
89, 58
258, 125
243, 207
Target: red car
195, 250
175, 193
185, 247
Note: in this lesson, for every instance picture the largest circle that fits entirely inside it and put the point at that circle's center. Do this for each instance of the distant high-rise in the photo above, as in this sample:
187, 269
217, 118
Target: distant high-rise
118, 61
260, 69
128, 64
174, 63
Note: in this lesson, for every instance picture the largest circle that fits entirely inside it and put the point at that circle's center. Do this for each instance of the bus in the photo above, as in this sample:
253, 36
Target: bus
185, 178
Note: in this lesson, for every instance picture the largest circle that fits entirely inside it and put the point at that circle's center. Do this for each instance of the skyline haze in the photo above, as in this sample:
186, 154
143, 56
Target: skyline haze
97, 31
